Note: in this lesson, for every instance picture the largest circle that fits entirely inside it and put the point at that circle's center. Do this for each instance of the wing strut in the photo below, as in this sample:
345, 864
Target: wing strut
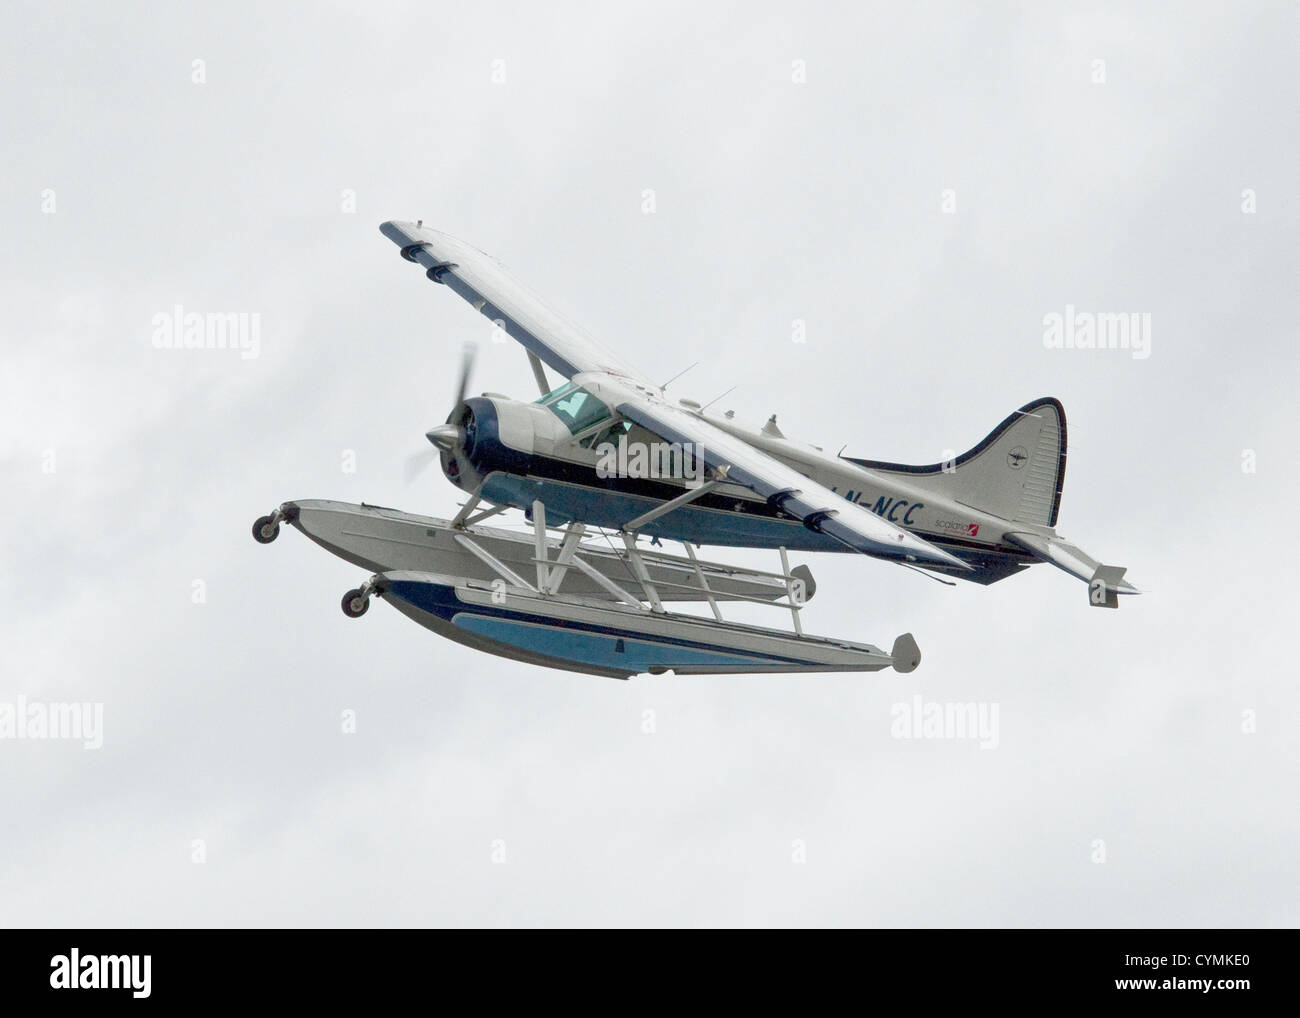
632, 526
538, 373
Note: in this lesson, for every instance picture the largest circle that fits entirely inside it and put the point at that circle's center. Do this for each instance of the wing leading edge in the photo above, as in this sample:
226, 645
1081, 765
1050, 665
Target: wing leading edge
490, 288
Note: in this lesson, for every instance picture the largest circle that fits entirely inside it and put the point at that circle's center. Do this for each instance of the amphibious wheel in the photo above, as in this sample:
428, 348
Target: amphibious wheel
266, 529
355, 603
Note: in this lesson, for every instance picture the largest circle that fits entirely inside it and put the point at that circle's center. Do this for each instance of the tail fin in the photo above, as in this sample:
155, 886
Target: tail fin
1016, 473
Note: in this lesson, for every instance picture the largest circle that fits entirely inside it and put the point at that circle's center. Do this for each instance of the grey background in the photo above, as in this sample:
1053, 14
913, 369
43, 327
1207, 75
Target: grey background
775, 201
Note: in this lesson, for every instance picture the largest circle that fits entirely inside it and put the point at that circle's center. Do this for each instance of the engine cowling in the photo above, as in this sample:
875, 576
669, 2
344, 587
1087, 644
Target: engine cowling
500, 434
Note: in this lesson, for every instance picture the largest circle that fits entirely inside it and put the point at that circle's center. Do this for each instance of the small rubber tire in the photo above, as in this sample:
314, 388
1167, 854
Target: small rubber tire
350, 603
265, 530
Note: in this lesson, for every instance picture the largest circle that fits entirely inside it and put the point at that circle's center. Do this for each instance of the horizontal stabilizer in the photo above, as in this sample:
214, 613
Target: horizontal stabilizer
1103, 588
1105, 583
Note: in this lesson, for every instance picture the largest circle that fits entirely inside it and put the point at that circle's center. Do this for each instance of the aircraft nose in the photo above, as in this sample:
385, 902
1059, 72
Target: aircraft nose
445, 436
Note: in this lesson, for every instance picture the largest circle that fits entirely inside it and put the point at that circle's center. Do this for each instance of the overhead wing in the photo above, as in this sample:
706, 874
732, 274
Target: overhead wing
814, 504
487, 285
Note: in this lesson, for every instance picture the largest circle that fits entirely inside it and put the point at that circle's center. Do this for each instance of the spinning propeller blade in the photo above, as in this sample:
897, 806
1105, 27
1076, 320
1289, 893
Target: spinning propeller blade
466, 368
443, 437
417, 463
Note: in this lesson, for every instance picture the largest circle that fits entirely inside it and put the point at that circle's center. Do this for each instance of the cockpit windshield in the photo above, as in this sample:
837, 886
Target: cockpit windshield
575, 406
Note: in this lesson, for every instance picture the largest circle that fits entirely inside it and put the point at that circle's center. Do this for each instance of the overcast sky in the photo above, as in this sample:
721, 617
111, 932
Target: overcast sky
919, 186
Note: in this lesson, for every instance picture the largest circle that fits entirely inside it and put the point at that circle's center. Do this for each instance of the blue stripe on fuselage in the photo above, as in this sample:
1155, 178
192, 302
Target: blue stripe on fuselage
605, 508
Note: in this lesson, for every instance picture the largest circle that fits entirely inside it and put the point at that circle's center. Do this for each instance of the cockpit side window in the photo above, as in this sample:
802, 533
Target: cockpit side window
554, 394
576, 407
610, 434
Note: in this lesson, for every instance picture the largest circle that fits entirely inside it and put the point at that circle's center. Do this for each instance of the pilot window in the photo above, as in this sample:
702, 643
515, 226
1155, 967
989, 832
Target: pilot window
576, 407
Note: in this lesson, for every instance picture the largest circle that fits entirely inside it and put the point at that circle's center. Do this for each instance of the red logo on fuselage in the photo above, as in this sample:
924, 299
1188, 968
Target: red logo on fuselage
973, 529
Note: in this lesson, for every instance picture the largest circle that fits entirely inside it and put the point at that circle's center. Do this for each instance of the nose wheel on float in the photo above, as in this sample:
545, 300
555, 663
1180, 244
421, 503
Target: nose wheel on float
356, 602
267, 528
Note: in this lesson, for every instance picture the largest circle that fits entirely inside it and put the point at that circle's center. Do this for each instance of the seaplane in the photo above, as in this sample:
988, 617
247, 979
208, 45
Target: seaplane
608, 455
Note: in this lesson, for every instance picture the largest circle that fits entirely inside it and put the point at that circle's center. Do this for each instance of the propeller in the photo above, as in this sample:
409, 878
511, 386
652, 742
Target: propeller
444, 438
418, 462
466, 368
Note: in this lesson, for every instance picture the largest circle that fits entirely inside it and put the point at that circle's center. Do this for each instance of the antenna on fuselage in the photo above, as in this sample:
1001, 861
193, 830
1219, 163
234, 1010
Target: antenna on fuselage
678, 375
716, 398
